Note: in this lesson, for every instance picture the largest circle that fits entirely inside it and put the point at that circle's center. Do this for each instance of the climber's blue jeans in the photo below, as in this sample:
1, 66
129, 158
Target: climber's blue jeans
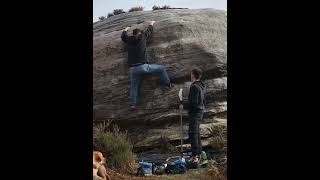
135, 76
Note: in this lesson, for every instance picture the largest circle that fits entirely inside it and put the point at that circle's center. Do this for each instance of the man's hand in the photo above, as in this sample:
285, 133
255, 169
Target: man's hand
152, 22
126, 29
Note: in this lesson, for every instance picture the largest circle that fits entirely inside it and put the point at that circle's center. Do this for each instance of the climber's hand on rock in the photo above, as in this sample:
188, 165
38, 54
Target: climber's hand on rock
152, 22
126, 29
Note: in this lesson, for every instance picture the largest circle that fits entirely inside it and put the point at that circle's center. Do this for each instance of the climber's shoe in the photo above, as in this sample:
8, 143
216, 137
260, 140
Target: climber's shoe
203, 160
194, 162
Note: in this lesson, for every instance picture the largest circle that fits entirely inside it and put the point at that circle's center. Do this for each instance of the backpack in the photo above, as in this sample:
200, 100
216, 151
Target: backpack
203, 96
145, 169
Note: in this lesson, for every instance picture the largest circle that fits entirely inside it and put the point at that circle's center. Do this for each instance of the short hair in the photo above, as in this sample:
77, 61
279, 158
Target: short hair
136, 31
197, 73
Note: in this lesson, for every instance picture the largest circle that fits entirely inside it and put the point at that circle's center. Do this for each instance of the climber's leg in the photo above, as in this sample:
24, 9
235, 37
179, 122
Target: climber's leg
135, 73
199, 142
194, 132
156, 68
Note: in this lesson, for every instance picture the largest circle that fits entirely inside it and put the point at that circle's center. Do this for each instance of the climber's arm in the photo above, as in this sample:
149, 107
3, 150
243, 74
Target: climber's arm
149, 30
124, 35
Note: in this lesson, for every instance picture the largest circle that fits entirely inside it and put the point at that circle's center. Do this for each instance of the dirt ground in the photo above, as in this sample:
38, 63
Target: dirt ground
193, 174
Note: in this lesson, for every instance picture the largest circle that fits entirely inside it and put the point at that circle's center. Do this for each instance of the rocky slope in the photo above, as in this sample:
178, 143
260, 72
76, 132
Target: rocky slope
182, 39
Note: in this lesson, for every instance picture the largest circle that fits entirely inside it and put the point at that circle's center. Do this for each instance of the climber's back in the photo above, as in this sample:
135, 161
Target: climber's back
137, 45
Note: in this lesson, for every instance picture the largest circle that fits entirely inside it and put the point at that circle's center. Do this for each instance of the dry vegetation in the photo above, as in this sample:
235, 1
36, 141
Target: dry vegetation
219, 138
115, 145
139, 8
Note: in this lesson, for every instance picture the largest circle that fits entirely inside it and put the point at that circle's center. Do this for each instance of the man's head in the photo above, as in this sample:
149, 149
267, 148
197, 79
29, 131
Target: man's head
196, 74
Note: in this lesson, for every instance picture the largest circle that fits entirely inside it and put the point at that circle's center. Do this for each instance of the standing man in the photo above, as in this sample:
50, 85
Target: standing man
196, 106
138, 61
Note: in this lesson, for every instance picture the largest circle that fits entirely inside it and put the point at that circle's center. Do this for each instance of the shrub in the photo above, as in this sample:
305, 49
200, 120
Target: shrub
218, 144
115, 145
165, 7
155, 7
102, 18
217, 130
118, 11
216, 171
139, 8
110, 14
219, 139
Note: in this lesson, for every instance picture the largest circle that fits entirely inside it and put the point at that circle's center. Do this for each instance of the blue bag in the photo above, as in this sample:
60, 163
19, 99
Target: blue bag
145, 169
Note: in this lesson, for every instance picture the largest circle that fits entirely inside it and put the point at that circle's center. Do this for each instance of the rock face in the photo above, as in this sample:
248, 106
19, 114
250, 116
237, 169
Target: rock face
182, 40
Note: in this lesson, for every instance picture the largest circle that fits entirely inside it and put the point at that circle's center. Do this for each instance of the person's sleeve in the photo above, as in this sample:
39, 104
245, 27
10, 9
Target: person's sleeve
148, 32
192, 98
124, 36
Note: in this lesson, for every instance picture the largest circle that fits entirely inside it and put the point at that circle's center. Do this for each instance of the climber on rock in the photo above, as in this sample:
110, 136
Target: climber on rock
138, 61
196, 107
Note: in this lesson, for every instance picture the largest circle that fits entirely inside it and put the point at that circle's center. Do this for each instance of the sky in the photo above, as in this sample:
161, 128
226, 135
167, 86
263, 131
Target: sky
103, 7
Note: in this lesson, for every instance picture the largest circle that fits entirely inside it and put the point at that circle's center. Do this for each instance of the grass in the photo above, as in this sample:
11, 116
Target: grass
115, 145
198, 174
219, 138
139, 8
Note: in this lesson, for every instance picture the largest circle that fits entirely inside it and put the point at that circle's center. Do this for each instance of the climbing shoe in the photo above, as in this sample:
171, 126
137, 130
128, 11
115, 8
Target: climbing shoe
203, 162
193, 163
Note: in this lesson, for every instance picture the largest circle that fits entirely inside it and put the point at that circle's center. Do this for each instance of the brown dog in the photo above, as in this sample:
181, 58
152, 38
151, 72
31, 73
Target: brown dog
98, 166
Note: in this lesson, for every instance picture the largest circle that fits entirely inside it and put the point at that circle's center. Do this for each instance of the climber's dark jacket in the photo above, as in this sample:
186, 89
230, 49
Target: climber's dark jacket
137, 47
196, 99
196, 106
